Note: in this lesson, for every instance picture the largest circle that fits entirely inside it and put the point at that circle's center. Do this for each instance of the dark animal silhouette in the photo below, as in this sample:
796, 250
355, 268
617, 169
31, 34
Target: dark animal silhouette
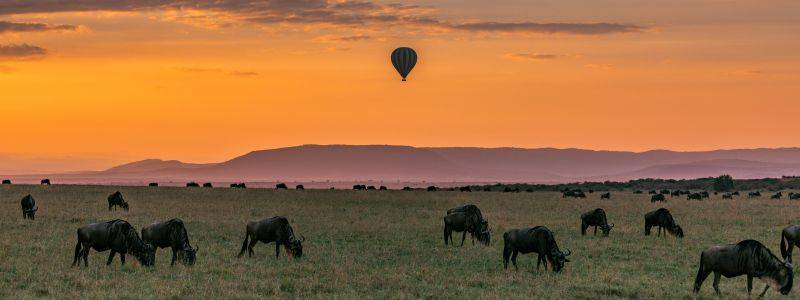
29, 207
749, 258
662, 218
299, 187
383, 188
192, 184
777, 195
119, 236
153, 184
538, 240
406, 188
727, 196
171, 234
359, 187
658, 198
465, 189
694, 196
238, 185
115, 200
371, 188
281, 186
466, 218
605, 196
754, 194
595, 218
790, 238
6, 181
275, 229
208, 185
432, 189
45, 181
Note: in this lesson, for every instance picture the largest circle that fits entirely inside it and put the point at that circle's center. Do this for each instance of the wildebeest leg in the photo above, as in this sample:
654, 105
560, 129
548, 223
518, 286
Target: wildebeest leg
446, 232
463, 237
659, 231
764, 292
85, 255
174, 257
749, 284
277, 249
506, 255
539, 262
647, 229
595, 230
514, 259
77, 253
122, 258
250, 247
111, 257
717, 275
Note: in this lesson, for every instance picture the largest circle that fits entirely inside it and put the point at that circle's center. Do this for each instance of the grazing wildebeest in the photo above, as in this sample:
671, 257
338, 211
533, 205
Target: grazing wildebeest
749, 258
383, 188
736, 193
596, 218
694, 196
208, 185
299, 187
794, 196
371, 188
652, 192
727, 196
192, 184
605, 196
29, 207
281, 186
658, 197
754, 194
538, 240
45, 181
465, 189
778, 195
275, 229
790, 237
115, 200
638, 192
171, 234
664, 192
663, 219
6, 181
359, 187
153, 184
675, 193
432, 188
704, 194
238, 185
119, 236
406, 188
466, 218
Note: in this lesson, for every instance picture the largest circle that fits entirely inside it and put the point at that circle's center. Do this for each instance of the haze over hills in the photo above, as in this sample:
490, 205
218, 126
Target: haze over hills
346, 163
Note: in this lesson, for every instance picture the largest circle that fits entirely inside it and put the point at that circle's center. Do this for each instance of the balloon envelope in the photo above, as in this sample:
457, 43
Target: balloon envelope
404, 59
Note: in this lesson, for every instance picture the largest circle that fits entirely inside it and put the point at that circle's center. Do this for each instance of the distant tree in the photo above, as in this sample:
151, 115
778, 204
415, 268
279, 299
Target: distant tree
723, 183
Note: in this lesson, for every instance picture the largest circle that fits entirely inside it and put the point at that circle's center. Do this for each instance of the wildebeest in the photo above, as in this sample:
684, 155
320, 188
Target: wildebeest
664, 192
605, 196
6, 181
595, 218
652, 192
171, 234
663, 219
573, 193
299, 187
281, 186
704, 194
45, 181
658, 197
238, 185
727, 196
638, 192
208, 185
675, 193
465, 189
153, 184
192, 184
790, 237
115, 200
736, 193
538, 240
694, 196
383, 188
119, 236
406, 188
794, 196
371, 188
432, 188
466, 218
749, 258
275, 229
754, 194
359, 187
29, 207
777, 195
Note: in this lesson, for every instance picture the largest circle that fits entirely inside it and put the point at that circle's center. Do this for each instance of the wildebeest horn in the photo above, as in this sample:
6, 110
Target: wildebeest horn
568, 252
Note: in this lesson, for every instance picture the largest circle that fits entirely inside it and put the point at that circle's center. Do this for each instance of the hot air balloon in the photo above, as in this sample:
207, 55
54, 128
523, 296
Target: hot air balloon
404, 59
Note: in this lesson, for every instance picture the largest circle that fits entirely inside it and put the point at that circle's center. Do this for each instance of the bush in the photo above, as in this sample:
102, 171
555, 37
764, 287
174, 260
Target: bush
723, 183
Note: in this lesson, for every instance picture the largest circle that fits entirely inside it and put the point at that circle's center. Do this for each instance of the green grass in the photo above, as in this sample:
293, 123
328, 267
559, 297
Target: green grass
375, 244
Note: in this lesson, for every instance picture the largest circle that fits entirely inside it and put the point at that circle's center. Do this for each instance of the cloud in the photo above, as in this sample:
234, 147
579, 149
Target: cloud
6, 27
218, 71
549, 28
599, 66
21, 51
334, 13
531, 56
6, 69
348, 38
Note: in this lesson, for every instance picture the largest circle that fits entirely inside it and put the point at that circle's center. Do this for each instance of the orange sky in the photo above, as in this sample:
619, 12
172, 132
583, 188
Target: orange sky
104, 82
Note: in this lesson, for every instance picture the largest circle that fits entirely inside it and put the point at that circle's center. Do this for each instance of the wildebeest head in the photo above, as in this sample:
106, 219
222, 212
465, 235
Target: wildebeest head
606, 228
484, 234
785, 278
677, 230
188, 256
296, 247
146, 255
125, 206
559, 259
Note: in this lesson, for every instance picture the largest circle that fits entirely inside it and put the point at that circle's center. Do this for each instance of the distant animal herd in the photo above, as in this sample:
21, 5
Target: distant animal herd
748, 257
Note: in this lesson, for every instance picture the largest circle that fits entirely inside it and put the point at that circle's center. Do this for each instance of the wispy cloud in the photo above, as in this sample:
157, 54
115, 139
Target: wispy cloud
21, 51
217, 71
6, 27
531, 56
549, 28
346, 38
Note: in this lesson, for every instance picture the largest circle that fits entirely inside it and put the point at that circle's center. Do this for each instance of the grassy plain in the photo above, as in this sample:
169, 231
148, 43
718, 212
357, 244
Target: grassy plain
373, 244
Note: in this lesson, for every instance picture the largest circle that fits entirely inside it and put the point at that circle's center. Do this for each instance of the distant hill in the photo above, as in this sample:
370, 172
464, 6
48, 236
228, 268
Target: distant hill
463, 164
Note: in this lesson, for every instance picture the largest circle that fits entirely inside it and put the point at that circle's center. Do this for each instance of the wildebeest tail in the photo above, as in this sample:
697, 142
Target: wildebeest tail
700, 274
77, 250
445, 231
784, 249
244, 244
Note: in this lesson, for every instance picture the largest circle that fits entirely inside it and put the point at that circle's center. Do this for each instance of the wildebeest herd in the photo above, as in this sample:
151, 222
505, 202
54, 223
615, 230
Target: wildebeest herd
748, 257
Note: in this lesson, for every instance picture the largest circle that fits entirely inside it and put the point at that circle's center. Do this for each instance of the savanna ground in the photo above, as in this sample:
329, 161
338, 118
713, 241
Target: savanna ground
373, 244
